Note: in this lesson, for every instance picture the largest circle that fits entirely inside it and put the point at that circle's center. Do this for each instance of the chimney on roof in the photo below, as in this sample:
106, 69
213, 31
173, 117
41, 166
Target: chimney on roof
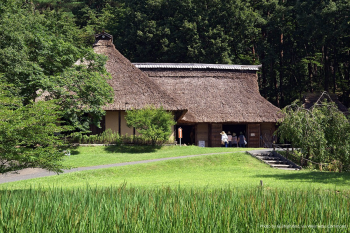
103, 36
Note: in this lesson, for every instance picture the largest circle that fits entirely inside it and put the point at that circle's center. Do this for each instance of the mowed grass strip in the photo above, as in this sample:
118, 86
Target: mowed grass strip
101, 155
121, 209
233, 170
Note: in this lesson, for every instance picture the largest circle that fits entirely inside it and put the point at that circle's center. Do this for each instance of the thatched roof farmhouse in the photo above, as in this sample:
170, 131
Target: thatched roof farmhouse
205, 98
221, 97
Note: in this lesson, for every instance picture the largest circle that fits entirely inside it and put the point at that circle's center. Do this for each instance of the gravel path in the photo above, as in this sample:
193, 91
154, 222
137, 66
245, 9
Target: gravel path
30, 173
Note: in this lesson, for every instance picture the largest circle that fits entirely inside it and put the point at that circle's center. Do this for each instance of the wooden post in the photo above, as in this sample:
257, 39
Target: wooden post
320, 166
180, 134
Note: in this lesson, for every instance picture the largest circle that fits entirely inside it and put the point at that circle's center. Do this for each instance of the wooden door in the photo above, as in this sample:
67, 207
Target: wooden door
253, 135
266, 138
215, 137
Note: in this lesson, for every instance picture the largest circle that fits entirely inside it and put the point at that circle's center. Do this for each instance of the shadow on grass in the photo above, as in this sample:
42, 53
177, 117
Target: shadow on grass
132, 149
72, 149
342, 179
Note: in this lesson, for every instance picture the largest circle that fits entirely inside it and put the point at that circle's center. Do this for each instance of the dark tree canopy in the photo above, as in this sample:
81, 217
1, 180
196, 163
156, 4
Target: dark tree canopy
302, 45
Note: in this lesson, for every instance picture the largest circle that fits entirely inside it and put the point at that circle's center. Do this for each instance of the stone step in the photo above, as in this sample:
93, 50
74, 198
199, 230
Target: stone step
290, 168
276, 162
268, 158
281, 165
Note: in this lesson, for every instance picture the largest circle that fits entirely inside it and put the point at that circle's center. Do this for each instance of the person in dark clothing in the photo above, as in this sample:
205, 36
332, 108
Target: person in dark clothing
241, 140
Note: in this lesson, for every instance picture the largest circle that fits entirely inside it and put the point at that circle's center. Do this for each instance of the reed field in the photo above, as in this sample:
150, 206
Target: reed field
121, 209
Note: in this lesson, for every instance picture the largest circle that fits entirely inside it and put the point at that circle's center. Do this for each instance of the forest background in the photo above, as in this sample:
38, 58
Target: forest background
303, 46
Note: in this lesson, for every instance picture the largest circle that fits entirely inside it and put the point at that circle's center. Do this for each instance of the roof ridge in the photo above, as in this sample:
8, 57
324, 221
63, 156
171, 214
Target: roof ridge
195, 66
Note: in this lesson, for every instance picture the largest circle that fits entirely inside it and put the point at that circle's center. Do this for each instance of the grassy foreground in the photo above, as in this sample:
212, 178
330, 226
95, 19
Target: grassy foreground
211, 193
234, 170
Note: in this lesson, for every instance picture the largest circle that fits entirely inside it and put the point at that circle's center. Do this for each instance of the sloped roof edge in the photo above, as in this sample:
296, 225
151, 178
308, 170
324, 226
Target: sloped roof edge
195, 66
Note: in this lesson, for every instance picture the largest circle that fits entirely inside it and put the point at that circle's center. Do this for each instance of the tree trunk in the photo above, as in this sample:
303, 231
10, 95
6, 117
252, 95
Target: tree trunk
326, 68
309, 67
335, 69
281, 70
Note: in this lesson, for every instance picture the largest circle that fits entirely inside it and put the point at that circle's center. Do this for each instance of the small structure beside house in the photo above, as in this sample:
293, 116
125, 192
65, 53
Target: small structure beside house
204, 98
310, 99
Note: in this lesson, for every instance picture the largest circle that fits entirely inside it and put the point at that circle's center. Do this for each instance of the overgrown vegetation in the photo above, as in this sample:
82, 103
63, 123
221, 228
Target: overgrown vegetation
322, 133
121, 209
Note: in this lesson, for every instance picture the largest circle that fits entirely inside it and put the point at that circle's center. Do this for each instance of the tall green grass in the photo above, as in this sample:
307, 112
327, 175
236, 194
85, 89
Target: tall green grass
121, 209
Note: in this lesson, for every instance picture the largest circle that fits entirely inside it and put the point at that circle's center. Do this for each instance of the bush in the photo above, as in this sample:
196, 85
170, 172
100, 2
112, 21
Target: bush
107, 137
110, 137
153, 123
322, 132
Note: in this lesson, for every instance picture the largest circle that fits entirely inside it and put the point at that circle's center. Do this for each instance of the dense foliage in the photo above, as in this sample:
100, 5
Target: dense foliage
39, 53
43, 57
302, 45
153, 123
29, 134
322, 132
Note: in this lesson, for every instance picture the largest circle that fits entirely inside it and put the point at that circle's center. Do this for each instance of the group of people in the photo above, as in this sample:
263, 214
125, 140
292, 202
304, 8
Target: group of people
228, 140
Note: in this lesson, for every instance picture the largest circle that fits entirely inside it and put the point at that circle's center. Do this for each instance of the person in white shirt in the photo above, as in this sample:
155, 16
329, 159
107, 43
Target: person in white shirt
224, 139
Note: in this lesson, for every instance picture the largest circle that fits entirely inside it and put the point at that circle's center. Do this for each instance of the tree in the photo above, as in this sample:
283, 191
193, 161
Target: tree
29, 135
322, 132
39, 53
151, 122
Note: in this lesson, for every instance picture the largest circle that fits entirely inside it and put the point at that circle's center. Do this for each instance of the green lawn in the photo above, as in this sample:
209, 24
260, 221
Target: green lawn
100, 155
234, 170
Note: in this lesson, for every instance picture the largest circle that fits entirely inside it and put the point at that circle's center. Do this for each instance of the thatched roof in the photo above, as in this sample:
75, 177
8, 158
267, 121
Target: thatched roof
310, 99
214, 94
133, 88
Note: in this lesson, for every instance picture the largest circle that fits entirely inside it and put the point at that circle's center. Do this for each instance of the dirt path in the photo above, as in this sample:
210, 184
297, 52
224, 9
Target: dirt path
30, 173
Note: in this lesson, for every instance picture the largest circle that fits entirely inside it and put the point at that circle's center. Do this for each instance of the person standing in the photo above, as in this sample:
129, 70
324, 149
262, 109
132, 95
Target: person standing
229, 138
234, 140
224, 139
241, 140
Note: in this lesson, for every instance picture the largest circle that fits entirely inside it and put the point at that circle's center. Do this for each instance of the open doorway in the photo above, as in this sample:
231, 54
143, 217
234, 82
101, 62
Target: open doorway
235, 128
188, 134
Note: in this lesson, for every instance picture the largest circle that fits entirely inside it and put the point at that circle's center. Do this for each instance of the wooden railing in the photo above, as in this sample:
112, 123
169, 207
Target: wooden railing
296, 157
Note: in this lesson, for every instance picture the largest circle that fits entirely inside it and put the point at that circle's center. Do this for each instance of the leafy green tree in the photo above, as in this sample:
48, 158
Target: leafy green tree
29, 135
39, 53
322, 132
153, 123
